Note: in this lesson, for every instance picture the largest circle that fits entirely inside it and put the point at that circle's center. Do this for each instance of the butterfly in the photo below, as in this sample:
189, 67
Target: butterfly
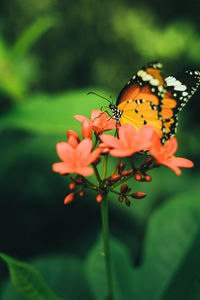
149, 98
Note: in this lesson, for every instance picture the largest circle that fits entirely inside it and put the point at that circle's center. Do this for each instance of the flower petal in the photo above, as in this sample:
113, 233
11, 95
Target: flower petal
170, 146
110, 124
74, 134
155, 146
85, 171
110, 140
183, 162
127, 133
170, 164
83, 150
72, 141
120, 152
93, 156
62, 168
96, 114
65, 151
86, 129
80, 118
144, 138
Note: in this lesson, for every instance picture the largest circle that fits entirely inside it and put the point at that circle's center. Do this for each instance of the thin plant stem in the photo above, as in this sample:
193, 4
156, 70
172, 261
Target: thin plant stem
96, 172
105, 229
105, 166
116, 166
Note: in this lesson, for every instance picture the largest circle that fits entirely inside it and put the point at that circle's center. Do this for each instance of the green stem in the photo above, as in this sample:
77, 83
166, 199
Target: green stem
96, 172
105, 166
105, 229
116, 166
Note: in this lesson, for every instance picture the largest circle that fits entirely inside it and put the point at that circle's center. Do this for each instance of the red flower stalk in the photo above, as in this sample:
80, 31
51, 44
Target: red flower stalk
100, 121
130, 141
164, 155
76, 160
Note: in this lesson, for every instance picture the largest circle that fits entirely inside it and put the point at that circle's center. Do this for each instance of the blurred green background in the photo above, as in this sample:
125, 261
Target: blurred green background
51, 54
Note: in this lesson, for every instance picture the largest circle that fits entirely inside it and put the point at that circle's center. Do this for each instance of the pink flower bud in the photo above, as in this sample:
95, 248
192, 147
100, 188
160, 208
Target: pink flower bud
121, 167
138, 177
69, 198
149, 161
128, 202
126, 173
72, 185
121, 198
138, 195
124, 188
147, 178
114, 177
99, 198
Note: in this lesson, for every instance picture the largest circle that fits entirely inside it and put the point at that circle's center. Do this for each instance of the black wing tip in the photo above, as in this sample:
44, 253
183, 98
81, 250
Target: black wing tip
154, 65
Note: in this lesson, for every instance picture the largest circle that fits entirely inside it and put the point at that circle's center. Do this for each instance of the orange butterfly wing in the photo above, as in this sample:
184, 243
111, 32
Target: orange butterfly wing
140, 100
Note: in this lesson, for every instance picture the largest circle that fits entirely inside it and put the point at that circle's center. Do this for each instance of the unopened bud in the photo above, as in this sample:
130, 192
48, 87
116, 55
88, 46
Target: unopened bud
69, 198
81, 193
121, 198
114, 177
128, 202
72, 185
138, 177
124, 188
99, 198
148, 160
78, 181
147, 178
138, 195
125, 173
121, 167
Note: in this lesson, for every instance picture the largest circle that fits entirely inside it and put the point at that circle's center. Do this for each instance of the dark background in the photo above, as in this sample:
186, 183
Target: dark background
51, 54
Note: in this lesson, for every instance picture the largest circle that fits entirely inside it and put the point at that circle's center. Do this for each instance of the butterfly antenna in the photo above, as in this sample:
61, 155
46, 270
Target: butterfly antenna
99, 96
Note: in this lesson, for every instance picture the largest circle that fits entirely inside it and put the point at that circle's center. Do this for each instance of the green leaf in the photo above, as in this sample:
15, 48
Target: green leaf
64, 273
30, 36
172, 238
51, 114
95, 270
28, 281
171, 260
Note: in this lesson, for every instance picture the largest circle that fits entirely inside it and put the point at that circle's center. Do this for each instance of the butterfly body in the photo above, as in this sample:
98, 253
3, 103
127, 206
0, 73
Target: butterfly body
150, 99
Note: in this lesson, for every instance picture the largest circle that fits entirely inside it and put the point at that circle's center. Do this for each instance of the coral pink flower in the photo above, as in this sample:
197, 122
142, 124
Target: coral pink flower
86, 129
130, 140
76, 160
73, 138
99, 121
164, 155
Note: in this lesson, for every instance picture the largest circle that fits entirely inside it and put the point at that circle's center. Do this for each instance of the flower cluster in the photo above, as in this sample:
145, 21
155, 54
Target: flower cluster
83, 156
